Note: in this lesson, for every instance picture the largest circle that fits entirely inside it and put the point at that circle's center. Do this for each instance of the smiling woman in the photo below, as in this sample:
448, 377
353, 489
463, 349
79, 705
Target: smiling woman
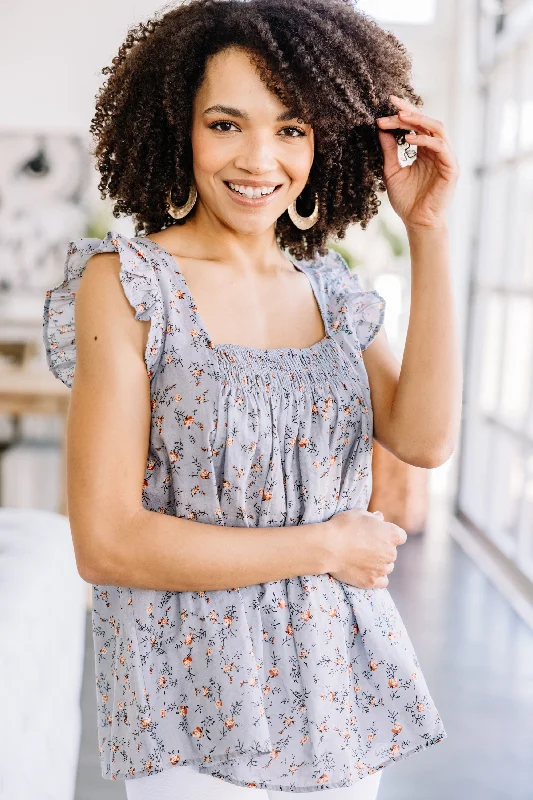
329, 72
220, 453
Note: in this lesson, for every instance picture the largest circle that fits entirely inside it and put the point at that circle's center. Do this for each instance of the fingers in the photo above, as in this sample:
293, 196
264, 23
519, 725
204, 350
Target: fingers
409, 114
415, 120
393, 122
381, 583
431, 142
401, 536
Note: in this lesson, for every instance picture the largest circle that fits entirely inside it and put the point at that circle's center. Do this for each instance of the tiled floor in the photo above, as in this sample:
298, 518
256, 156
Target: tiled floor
477, 657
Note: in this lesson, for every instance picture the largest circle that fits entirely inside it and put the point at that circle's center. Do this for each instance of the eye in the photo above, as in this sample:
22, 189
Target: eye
299, 131
221, 122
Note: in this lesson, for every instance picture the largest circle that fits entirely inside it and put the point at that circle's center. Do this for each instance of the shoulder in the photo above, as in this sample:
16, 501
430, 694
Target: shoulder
351, 306
116, 262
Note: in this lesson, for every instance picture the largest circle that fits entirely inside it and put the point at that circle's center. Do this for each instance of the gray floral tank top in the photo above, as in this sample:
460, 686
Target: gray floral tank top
301, 684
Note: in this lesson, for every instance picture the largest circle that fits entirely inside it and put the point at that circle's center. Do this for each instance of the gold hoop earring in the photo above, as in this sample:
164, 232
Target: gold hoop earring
304, 223
178, 212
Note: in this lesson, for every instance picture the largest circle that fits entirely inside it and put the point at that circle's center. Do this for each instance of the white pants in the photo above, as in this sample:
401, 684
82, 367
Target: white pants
186, 783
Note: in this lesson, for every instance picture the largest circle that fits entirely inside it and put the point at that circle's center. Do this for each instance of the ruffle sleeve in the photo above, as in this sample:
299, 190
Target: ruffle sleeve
364, 311
140, 281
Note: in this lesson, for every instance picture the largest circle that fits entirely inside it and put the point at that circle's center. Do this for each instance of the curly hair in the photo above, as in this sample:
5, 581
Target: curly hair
326, 59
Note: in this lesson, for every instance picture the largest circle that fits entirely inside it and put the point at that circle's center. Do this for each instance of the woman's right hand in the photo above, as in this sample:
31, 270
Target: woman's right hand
365, 546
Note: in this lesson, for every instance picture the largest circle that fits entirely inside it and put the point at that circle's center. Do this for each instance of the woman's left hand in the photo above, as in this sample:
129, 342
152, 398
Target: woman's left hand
419, 193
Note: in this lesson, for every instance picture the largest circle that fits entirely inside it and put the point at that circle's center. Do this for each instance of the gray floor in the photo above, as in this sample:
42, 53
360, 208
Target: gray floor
477, 657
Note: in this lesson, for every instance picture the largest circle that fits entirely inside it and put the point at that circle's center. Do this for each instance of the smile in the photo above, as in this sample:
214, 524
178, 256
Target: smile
251, 195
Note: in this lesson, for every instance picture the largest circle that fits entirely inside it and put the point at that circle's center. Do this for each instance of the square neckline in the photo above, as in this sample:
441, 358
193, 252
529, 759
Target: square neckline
266, 351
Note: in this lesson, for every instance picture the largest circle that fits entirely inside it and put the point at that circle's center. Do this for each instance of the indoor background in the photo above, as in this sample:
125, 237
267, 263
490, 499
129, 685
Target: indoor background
464, 580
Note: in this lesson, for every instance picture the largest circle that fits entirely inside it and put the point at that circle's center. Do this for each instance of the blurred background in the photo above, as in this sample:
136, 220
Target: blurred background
464, 580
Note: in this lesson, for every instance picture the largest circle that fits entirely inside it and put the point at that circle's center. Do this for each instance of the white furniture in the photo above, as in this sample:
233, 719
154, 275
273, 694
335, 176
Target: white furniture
42, 636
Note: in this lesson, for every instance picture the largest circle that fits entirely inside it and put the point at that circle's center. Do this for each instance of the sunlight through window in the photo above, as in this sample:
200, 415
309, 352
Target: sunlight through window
413, 12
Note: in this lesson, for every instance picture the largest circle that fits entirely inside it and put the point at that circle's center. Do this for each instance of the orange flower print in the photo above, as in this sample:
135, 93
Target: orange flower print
396, 728
197, 733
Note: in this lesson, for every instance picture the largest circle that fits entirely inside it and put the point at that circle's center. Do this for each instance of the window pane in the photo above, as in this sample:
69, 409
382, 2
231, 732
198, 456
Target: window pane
518, 361
494, 236
489, 391
507, 479
476, 457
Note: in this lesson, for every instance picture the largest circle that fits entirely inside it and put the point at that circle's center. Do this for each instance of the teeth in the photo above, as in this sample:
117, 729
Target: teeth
249, 191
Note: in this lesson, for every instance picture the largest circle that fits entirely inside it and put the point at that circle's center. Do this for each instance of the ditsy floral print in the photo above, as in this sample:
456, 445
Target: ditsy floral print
302, 684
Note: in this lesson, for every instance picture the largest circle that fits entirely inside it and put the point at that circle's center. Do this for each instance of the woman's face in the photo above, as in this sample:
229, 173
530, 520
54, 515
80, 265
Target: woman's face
243, 134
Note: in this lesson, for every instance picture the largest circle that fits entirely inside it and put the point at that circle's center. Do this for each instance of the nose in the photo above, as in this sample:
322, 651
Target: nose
257, 154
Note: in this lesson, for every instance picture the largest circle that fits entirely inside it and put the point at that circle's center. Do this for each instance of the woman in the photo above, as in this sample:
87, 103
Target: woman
229, 654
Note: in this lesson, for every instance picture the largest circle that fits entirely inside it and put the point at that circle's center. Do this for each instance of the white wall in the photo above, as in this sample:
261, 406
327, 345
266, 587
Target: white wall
51, 58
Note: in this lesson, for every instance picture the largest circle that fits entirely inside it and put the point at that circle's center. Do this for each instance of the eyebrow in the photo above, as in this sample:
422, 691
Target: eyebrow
285, 116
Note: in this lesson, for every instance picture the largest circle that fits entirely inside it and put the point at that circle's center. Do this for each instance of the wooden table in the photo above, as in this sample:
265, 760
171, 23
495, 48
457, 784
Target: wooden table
27, 390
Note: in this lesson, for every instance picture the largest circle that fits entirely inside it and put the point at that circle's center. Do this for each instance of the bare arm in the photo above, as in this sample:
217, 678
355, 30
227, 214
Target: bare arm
417, 408
116, 540
420, 417
158, 551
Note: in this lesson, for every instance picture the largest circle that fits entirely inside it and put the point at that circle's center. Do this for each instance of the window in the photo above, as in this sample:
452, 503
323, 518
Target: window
496, 475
